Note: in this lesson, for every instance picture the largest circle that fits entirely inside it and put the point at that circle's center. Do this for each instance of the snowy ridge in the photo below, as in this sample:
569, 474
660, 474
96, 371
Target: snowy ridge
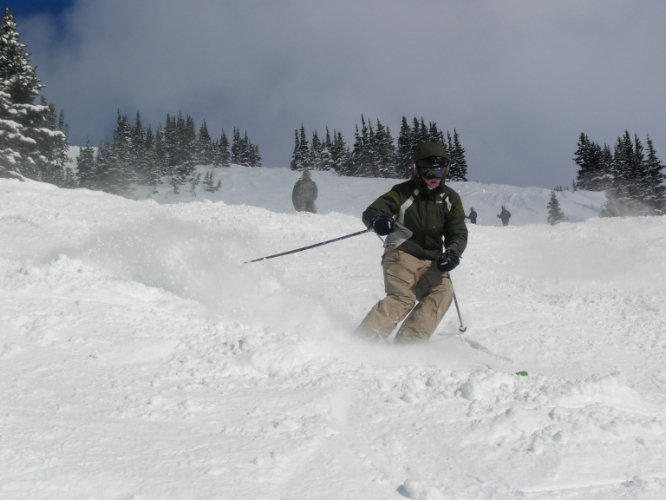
140, 358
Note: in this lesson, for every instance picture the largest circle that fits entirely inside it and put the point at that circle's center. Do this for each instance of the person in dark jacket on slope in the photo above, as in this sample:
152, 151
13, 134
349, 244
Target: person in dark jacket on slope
472, 216
504, 216
304, 194
424, 224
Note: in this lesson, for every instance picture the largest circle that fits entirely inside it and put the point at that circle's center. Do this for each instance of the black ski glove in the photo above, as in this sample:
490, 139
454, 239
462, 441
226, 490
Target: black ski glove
383, 225
448, 261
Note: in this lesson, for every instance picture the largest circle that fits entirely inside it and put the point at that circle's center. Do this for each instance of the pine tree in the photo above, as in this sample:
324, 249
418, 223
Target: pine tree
104, 163
237, 153
204, 152
243, 152
136, 154
52, 146
162, 167
119, 172
653, 180
150, 164
555, 214
326, 156
405, 146
339, 153
363, 152
316, 148
588, 156
457, 161
224, 155
300, 158
627, 190
86, 167
29, 139
385, 164
14, 142
618, 201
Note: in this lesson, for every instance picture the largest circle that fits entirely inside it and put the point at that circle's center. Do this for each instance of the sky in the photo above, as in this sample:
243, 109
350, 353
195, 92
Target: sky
140, 358
518, 79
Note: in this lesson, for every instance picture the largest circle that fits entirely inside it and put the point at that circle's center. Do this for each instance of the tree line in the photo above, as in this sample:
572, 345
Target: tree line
137, 155
631, 175
375, 153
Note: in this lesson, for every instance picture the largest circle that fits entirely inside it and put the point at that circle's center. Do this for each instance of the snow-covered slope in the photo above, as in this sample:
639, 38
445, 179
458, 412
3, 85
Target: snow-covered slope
140, 358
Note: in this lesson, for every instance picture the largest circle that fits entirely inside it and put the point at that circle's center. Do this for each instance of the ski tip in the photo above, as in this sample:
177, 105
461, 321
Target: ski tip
522, 373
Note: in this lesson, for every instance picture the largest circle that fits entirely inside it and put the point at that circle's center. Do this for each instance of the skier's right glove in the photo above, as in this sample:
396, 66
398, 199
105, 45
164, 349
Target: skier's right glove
383, 225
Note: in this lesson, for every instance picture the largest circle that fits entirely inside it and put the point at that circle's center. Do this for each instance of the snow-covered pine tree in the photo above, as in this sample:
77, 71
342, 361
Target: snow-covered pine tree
300, 157
363, 155
555, 213
326, 160
243, 152
14, 141
28, 126
316, 149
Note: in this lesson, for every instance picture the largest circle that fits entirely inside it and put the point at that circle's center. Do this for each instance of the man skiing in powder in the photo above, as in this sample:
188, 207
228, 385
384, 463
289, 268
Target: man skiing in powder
424, 223
304, 194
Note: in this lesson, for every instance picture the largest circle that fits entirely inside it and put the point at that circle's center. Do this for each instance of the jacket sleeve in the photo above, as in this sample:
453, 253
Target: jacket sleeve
386, 204
455, 230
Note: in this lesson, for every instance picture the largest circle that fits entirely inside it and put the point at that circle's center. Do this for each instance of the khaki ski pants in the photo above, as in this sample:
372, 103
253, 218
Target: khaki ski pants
406, 281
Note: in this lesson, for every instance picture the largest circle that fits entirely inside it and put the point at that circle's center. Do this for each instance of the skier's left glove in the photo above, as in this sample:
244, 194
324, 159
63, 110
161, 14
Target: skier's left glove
448, 261
383, 225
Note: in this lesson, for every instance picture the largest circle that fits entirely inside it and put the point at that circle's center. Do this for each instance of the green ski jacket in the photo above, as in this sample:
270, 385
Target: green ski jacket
425, 219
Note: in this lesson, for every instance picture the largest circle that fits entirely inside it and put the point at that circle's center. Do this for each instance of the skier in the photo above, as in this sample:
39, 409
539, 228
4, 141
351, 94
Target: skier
471, 216
304, 193
504, 216
418, 217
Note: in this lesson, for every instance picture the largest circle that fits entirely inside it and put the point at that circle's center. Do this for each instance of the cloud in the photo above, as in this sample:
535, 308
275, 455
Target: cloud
518, 79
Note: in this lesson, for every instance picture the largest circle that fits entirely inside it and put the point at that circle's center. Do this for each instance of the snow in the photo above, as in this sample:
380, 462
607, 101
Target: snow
140, 358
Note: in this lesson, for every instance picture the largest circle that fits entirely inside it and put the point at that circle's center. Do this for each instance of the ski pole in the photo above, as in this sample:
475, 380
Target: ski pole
307, 247
461, 328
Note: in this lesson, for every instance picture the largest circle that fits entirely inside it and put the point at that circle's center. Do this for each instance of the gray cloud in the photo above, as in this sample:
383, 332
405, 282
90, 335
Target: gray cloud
518, 79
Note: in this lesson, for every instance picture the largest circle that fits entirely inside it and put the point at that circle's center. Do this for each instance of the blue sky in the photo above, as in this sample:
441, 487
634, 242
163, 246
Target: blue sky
518, 79
24, 8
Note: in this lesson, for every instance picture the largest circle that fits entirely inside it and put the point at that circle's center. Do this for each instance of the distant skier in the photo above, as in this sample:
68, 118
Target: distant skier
418, 217
304, 193
471, 216
504, 216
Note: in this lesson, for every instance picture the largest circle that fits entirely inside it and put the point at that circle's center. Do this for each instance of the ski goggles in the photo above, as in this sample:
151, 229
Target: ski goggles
433, 167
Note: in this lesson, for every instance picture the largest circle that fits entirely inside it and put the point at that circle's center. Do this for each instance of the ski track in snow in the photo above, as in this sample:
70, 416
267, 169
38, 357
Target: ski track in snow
139, 357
